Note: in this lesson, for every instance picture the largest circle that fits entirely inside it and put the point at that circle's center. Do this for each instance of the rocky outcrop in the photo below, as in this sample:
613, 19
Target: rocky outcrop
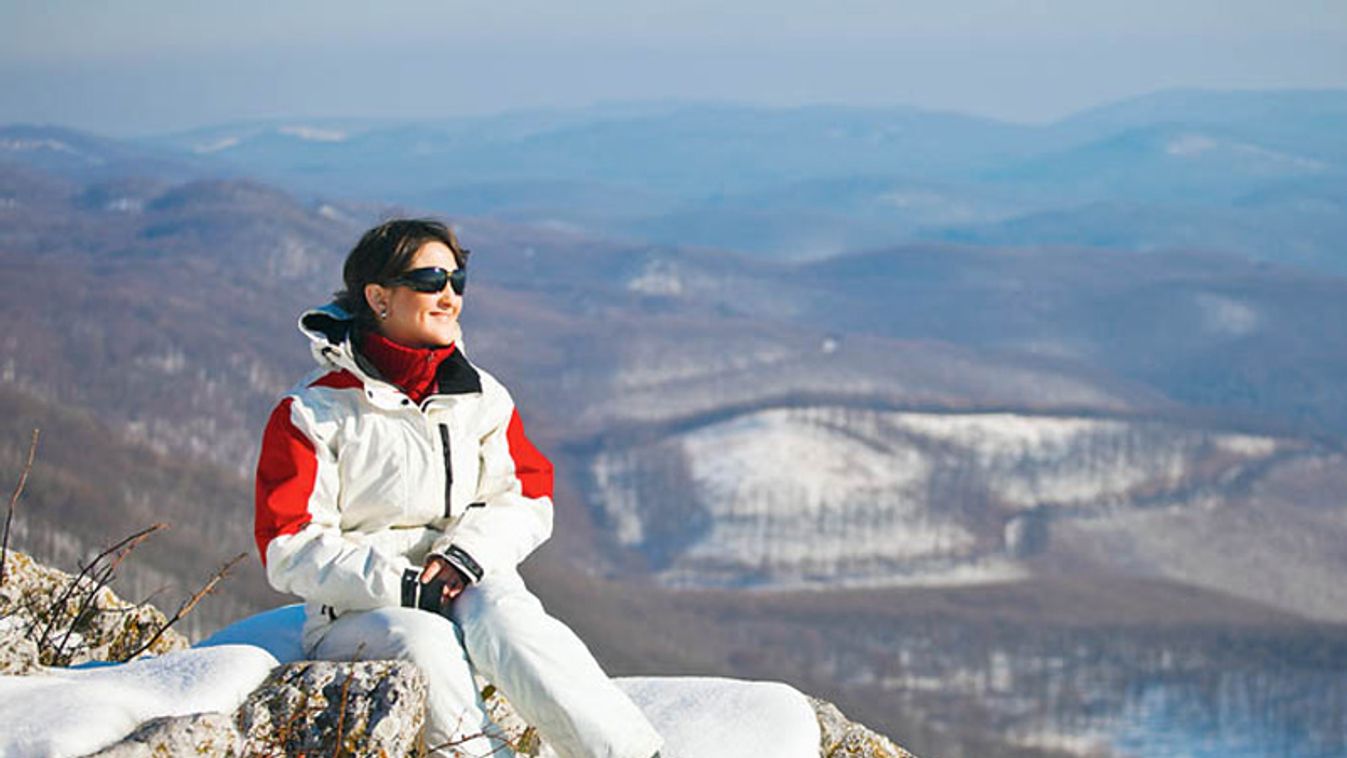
514, 730
332, 708
378, 708
308, 708
302, 708
72, 620
843, 738
18, 654
201, 734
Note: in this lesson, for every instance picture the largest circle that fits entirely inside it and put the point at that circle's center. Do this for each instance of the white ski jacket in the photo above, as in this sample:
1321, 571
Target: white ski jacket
356, 483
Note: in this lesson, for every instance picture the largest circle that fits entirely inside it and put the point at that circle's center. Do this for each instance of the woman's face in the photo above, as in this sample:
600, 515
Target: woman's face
419, 319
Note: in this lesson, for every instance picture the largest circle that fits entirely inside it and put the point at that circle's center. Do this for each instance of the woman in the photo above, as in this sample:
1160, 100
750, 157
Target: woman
397, 494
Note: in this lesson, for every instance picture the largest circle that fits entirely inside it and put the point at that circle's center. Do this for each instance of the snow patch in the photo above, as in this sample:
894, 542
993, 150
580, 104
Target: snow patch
1227, 316
808, 496
125, 205
1192, 145
1247, 445
79, 711
172, 361
658, 278
314, 134
292, 258
1087, 743
702, 717
34, 145
332, 213
223, 143
650, 366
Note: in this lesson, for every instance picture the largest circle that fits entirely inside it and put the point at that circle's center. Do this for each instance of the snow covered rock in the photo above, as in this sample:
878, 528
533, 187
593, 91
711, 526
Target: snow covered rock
326, 707
700, 717
77, 622
18, 654
248, 691
200, 734
70, 712
844, 738
708, 717
522, 738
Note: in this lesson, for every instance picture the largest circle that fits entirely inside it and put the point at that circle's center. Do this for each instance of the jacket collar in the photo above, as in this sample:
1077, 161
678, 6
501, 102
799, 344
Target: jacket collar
331, 330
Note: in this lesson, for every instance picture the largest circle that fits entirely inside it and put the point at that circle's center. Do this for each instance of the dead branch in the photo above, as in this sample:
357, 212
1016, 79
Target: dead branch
106, 575
454, 744
125, 546
341, 712
14, 501
191, 603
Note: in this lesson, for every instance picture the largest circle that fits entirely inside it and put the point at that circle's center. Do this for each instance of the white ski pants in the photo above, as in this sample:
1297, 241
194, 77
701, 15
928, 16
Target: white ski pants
501, 630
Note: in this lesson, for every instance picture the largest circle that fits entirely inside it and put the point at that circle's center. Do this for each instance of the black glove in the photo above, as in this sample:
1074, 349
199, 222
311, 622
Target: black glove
427, 597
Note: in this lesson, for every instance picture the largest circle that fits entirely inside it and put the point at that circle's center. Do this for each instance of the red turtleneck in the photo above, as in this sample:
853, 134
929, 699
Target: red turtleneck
412, 369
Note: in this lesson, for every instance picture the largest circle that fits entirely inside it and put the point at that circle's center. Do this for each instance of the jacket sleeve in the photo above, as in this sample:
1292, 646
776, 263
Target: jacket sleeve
515, 490
297, 522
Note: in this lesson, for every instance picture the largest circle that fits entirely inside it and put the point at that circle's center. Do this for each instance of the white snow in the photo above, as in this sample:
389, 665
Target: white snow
33, 145
785, 488
702, 717
657, 278
806, 496
70, 712
1191, 145
1247, 445
333, 213
224, 143
1227, 316
313, 133
125, 205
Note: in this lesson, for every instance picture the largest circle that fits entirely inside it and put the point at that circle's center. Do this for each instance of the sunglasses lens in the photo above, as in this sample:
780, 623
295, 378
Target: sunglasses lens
430, 280
427, 279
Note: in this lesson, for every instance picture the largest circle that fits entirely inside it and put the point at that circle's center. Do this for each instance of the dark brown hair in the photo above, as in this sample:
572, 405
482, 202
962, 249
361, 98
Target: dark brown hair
386, 251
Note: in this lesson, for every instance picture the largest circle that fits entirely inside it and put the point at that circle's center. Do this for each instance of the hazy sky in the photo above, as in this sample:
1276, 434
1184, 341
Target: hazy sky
140, 66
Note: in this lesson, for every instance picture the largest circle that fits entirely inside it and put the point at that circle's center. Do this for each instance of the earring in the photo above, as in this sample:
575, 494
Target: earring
383, 312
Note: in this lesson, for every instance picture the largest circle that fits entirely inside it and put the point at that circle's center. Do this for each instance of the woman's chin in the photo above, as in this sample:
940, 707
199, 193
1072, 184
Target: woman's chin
442, 336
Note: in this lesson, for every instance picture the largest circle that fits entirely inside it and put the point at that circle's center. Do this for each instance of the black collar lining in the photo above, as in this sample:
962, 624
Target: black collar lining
457, 376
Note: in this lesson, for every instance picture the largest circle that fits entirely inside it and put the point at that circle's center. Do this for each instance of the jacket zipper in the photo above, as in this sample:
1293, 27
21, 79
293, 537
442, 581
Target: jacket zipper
448, 468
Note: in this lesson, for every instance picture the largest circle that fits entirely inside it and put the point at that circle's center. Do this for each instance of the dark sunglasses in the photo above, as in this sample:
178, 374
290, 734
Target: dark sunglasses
432, 279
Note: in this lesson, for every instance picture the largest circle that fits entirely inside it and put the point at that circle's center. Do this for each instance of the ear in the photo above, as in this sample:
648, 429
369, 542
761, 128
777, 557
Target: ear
376, 297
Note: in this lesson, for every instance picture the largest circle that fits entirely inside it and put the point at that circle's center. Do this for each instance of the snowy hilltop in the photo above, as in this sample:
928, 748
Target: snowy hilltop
246, 690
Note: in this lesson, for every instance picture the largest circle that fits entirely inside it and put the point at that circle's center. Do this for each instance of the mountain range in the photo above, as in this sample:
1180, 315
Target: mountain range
1260, 174
1025, 499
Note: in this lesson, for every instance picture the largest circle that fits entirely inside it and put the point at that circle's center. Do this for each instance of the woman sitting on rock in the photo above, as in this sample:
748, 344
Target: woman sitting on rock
397, 494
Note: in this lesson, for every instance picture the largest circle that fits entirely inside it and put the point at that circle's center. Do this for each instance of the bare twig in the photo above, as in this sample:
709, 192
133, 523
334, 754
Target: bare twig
126, 546
106, 574
454, 744
341, 712
191, 603
86, 604
148, 600
303, 708
13, 501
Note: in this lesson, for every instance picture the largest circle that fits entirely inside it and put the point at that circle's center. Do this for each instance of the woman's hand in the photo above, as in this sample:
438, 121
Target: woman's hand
454, 582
